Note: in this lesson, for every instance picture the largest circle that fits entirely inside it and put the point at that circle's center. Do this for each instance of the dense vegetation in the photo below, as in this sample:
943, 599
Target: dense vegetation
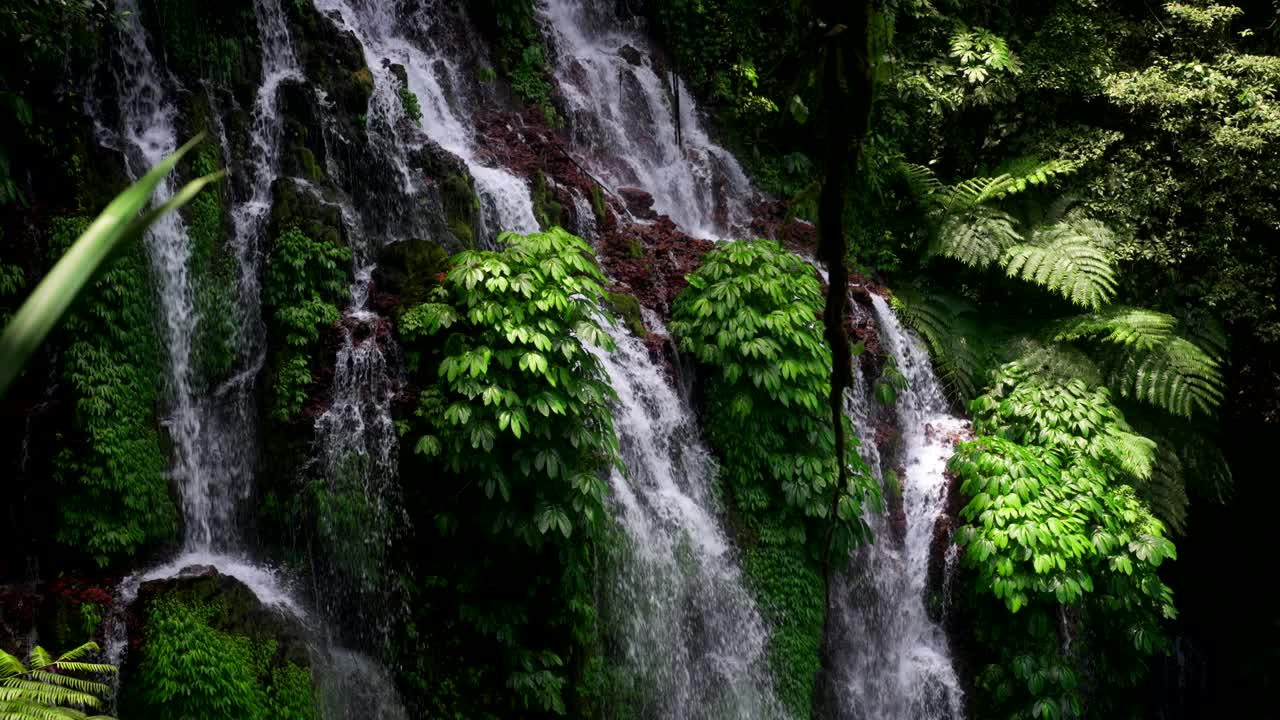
1074, 205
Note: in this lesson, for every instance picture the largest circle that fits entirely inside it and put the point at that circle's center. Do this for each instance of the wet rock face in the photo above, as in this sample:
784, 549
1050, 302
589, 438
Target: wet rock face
631, 55
639, 203
58, 615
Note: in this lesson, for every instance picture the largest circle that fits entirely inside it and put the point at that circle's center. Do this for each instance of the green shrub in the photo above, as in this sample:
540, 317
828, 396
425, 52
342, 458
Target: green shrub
751, 316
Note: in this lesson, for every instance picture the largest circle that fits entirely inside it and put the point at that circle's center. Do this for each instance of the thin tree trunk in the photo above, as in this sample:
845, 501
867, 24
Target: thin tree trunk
846, 113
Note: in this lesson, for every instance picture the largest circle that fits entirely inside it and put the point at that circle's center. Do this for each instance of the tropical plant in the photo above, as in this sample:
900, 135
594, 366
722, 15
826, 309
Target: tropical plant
306, 279
751, 316
53, 689
1057, 536
118, 223
519, 413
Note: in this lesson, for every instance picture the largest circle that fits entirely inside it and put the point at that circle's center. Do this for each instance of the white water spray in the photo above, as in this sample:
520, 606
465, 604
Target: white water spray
892, 660
694, 643
626, 128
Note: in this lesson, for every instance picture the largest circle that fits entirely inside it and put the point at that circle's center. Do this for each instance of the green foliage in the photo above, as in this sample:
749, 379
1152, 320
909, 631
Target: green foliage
215, 291
515, 324
115, 494
750, 314
306, 279
52, 689
190, 669
409, 101
520, 415
1148, 360
1055, 532
118, 224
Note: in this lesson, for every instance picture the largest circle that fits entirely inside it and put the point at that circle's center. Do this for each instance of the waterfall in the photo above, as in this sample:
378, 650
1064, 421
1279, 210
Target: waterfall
435, 79
891, 659
148, 136
692, 639
625, 128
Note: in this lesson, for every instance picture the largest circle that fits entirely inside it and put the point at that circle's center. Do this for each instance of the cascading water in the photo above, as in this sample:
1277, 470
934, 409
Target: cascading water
693, 642
212, 436
625, 128
891, 659
148, 136
434, 78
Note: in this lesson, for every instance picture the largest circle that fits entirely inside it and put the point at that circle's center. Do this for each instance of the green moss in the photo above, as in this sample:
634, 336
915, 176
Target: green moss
545, 207
309, 165
627, 307
598, 204
635, 250
113, 499
792, 597
363, 78
214, 274
461, 206
410, 269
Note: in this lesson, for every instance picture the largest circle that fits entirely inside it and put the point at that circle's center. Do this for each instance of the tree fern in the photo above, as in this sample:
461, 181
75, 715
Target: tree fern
1138, 328
1064, 260
1176, 376
945, 321
977, 238
51, 689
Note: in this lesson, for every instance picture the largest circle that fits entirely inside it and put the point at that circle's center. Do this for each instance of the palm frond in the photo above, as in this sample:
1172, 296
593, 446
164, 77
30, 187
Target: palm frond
1064, 260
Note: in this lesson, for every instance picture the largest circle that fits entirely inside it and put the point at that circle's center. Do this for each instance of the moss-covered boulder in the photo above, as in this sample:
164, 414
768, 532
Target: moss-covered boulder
627, 308
204, 645
407, 270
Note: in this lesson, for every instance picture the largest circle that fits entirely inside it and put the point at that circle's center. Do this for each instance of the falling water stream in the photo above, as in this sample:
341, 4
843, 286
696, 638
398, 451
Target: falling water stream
212, 436
891, 659
693, 639
434, 78
625, 126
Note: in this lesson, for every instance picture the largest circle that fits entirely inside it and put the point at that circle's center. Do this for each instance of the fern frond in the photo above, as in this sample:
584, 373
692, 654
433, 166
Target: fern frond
1166, 491
1206, 332
922, 181
74, 683
1176, 376
976, 238
71, 655
957, 346
47, 691
1056, 362
1131, 452
1064, 261
969, 194
1120, 325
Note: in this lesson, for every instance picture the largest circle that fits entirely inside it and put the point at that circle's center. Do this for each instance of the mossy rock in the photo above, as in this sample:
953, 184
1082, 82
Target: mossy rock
294, 206
409, 270
210, 648
200, 40
627, 308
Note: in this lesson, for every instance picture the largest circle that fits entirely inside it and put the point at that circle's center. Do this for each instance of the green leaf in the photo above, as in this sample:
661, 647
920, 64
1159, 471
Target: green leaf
117, 224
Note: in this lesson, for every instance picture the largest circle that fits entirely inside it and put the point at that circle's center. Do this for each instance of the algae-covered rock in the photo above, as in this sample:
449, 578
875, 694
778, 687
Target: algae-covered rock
627, 308
204, 645
409, 269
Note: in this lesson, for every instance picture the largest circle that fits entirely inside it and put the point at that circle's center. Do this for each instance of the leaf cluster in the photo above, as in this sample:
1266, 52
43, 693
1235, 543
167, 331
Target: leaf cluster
1055, 531
53, 689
